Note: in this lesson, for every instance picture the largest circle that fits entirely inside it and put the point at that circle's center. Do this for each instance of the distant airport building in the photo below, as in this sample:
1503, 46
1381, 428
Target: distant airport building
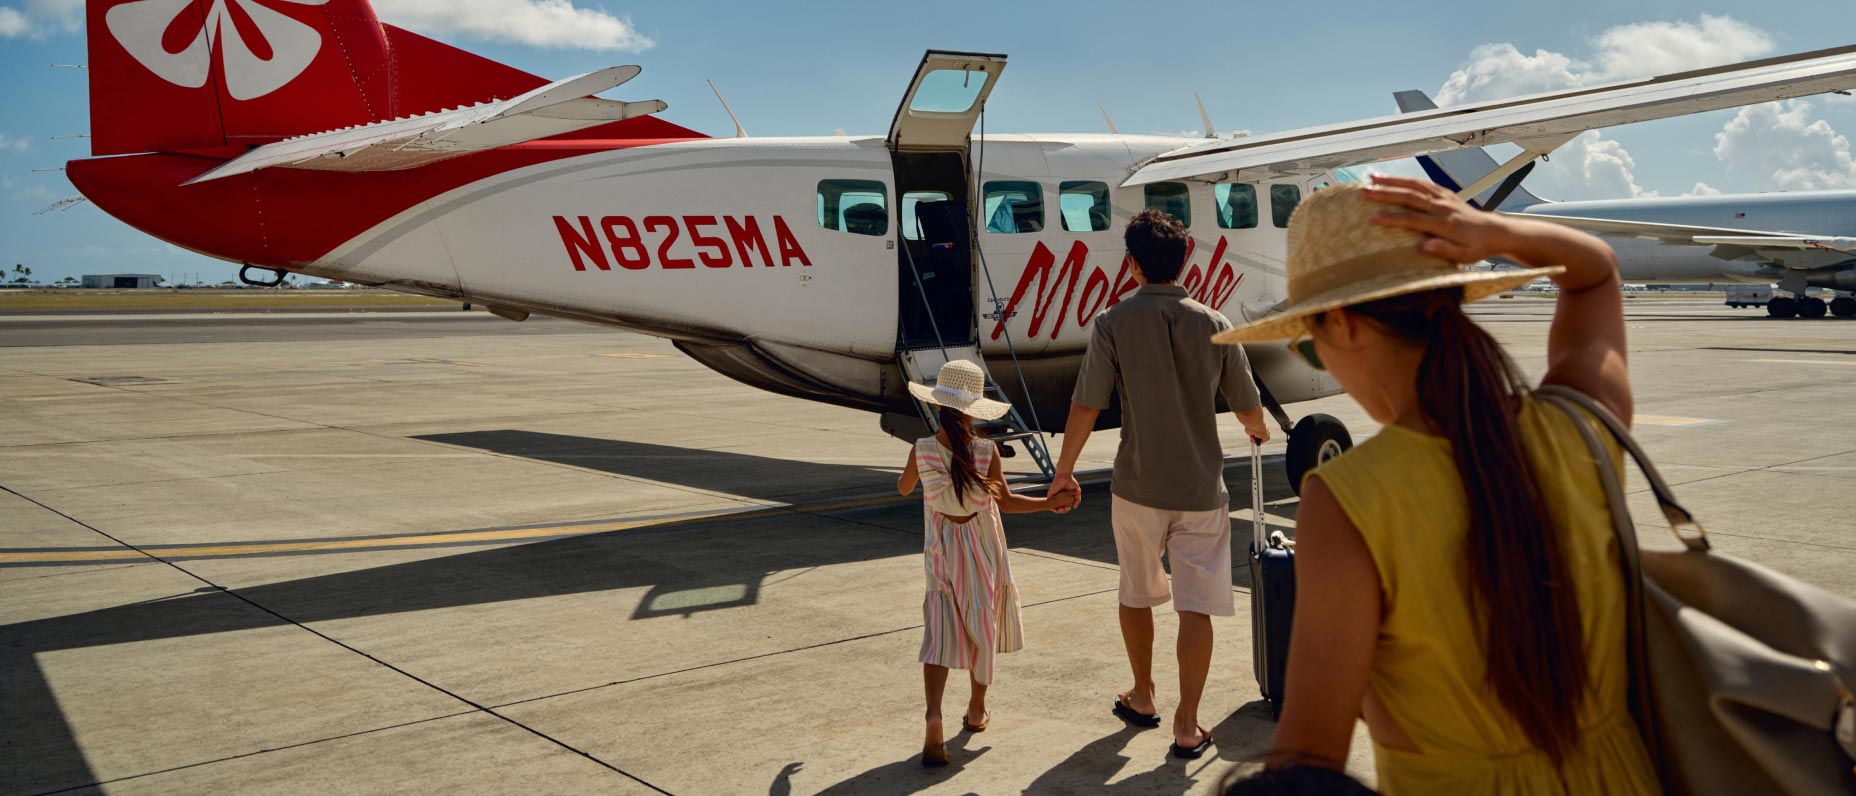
122, 280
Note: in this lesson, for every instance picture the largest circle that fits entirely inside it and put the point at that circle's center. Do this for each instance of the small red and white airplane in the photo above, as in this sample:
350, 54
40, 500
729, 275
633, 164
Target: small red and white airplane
305, 136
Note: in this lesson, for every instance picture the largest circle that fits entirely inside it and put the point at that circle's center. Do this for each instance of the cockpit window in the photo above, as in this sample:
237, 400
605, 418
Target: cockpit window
859, 207
1236, 204
1172, 198
1084, 205
1283, 199
1014, 206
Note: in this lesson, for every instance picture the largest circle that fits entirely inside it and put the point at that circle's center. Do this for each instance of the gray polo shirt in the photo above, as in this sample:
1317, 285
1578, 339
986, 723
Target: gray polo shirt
1155, 349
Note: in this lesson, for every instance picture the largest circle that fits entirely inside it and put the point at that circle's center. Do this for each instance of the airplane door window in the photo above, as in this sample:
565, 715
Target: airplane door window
859, 207
1014, 206
1236, 204
911, 226
1283, 199
1172, 198
1083, 205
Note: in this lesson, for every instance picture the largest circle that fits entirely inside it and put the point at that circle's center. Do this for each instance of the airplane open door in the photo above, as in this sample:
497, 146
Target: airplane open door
929, 140
944, 101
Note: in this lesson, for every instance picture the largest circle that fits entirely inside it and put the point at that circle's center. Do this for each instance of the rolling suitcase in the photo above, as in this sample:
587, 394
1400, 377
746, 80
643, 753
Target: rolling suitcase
1272, 594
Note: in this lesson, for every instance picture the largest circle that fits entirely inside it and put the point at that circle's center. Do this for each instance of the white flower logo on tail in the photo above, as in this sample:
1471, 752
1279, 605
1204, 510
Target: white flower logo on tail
140, 27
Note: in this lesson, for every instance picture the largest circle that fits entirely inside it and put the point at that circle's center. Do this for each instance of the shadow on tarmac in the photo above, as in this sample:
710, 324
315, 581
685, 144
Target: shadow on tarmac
711, 566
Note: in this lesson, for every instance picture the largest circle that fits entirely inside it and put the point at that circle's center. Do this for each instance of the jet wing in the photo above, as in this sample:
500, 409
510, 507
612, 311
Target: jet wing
1538, 123
559, 107
1782, 248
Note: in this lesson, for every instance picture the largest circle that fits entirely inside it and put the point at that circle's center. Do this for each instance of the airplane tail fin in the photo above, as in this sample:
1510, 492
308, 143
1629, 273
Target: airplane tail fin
1462, 167
205, 75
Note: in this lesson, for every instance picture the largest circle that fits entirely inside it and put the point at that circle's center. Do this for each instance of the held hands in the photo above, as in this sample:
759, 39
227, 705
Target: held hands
1458, 232
1064, 493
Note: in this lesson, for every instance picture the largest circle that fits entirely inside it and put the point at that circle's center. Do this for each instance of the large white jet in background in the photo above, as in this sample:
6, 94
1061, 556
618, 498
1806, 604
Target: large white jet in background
1795, 240
317, 140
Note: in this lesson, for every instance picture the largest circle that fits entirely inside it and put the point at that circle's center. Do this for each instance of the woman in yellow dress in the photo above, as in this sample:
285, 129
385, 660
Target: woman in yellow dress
1458, 585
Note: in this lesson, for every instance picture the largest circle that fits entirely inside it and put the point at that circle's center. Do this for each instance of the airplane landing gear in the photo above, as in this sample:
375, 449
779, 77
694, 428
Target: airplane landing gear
1809, 307
1314, 441
1782, 307
1843, 306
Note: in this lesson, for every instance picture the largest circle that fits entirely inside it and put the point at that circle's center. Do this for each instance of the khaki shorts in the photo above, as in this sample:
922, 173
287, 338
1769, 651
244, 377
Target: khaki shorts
1197, 545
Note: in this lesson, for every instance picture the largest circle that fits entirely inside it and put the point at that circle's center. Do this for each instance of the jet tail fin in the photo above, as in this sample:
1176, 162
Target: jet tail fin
206, 75
1460, 167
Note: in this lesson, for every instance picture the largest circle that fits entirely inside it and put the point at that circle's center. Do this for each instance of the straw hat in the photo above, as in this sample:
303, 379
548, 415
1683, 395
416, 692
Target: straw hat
1338, 256
961, 386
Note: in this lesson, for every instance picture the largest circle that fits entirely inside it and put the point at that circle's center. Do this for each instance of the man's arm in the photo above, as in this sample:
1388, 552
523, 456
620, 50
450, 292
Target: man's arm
1095, 384
1075, 434
1240, 392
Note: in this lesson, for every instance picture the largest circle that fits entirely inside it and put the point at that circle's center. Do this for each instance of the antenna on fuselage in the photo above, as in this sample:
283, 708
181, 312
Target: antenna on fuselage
739, 132
1111, 122
1204, 117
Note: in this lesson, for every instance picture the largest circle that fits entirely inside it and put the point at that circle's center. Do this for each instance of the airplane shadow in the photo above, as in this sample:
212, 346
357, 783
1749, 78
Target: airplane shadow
712, 566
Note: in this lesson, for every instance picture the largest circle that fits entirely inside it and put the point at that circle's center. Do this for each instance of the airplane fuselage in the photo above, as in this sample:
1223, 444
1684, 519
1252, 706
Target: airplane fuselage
1825, 213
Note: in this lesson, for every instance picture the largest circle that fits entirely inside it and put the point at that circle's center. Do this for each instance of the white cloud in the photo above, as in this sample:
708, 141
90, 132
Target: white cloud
1619, 53
13, 23
1778, 145
1703, 189
16, 145
1588, 167
42, 17
537, 23
1591, 166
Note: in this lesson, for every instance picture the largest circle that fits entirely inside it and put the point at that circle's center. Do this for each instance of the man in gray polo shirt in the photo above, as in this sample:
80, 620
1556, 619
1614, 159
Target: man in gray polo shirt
1155, 350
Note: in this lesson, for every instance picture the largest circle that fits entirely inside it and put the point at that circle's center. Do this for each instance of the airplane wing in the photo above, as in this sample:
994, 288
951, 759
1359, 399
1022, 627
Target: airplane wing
1782, 248
559, 107
1539, 123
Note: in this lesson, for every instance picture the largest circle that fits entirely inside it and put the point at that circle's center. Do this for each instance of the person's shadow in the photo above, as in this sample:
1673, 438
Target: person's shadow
1243, 738
900, 778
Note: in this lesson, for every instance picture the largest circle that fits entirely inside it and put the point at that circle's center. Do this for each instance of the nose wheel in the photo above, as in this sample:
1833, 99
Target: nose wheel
1315, 440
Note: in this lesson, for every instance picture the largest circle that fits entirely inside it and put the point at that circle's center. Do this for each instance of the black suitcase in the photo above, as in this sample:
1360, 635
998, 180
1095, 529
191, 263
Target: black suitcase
1272, 594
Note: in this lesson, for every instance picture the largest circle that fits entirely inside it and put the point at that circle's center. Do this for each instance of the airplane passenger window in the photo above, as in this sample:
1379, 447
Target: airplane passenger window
1014, 206
1173, 198
911, 228
1083, 205
1283, 199
859, 207
1236, 204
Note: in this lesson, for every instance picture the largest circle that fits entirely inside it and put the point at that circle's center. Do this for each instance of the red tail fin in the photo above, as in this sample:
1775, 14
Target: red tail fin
179, 75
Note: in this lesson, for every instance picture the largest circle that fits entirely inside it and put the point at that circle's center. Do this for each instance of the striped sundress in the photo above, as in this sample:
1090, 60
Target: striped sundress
971, 609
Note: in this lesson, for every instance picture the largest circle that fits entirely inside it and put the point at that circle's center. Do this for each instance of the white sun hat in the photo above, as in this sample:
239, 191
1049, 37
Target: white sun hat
961, 386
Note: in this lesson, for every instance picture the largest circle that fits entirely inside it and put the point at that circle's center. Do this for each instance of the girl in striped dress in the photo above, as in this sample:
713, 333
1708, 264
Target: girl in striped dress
971, 609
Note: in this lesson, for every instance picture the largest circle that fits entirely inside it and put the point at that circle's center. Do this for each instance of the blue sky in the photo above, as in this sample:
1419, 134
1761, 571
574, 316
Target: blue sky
811, 68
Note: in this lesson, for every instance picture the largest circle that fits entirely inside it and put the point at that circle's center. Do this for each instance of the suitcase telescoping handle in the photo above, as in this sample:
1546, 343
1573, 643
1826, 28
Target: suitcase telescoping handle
1259, 534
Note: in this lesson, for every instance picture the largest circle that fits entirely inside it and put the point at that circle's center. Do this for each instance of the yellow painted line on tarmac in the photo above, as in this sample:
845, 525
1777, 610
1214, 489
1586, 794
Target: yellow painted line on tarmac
488, 536
1845, 363
1674, 422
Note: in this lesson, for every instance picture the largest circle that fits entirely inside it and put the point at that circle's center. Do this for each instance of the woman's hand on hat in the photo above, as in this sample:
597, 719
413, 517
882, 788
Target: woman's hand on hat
1458, 232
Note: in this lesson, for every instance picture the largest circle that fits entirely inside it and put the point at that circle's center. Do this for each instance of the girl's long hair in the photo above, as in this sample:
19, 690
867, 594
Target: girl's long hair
960, 464
1519, 582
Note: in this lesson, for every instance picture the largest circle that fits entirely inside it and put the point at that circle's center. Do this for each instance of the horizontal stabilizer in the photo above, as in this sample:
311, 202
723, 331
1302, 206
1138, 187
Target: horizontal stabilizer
560, 107
1537, 123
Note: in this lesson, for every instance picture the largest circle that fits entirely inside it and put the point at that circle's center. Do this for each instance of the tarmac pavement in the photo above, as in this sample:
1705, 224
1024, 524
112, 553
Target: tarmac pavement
450, 553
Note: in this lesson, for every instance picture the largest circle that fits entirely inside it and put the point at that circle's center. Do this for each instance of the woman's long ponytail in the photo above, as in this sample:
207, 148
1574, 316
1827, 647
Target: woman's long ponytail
1519, 580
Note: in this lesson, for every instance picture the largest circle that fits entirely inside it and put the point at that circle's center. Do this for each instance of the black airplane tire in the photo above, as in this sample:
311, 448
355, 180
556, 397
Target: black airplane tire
1843, 306
1811, 308
1781, 307
1314, 440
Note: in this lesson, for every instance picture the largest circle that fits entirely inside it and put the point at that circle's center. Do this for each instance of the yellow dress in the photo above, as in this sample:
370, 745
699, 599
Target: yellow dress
1402, 491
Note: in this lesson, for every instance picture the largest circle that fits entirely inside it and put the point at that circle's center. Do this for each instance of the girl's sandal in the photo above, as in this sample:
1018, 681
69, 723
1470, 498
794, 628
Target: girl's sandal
985, 721
934, 755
